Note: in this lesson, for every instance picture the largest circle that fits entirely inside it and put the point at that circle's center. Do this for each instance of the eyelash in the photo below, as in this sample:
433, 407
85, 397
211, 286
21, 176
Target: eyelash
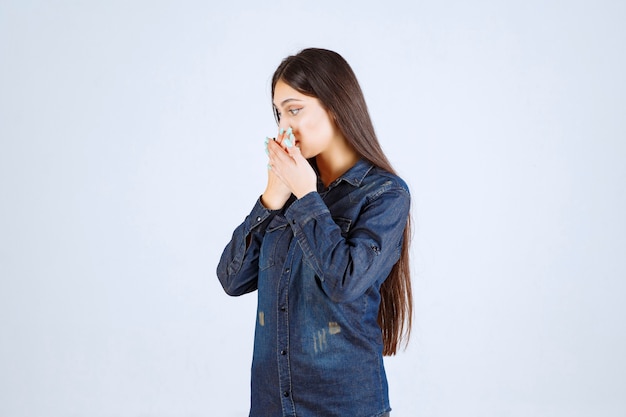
294, 112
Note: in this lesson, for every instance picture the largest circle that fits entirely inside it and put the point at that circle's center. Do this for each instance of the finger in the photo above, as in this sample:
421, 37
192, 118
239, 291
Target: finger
266, 144
278, 155
272, 146
295, 152
289, 141
280, 136
287, 134
274, 165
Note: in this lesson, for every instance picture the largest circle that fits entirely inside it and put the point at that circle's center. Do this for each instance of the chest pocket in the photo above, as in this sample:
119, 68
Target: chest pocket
276, 237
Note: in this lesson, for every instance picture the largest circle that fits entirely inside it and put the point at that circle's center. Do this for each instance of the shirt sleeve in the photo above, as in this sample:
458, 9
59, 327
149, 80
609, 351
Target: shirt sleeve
238, 267
348, 266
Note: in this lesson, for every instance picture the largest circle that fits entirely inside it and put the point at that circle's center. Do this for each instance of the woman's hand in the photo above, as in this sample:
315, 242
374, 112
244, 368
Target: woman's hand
288, 165
276, 192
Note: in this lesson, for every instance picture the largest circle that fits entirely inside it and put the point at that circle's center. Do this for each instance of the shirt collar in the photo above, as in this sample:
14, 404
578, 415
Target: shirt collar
353, 176
357, 173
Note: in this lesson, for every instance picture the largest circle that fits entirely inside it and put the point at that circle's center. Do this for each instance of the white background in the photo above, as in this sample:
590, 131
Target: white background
131, 145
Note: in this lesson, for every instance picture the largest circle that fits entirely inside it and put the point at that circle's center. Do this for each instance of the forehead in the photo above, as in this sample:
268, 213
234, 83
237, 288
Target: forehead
284, 93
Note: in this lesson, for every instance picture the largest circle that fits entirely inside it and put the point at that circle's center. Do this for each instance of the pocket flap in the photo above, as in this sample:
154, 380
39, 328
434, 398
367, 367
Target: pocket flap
343, 223
278, 222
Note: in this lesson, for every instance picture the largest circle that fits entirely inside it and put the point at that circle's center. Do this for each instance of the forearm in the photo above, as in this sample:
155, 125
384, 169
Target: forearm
348, 262
237, 269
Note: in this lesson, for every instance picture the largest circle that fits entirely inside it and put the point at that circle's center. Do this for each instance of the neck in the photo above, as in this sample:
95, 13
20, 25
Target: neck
334, 162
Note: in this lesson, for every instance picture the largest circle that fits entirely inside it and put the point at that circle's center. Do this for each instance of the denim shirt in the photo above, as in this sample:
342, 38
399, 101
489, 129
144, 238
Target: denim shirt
318, 264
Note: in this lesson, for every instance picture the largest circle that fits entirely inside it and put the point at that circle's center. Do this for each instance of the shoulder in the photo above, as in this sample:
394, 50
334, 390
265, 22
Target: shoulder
379, 181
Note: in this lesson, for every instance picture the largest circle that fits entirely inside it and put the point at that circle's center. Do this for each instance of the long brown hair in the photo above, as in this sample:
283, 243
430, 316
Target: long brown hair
327, 76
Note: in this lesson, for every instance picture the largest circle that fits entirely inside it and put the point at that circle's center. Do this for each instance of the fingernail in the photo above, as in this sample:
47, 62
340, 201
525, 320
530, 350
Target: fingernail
289, 131
269, 166
288, 143
280, 132
267, 140
292, 137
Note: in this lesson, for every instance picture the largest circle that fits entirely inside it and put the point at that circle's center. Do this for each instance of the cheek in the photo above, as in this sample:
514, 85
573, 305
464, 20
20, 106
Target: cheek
317, 129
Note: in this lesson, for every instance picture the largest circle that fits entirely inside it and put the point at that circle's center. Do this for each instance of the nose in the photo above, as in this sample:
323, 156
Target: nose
283, 124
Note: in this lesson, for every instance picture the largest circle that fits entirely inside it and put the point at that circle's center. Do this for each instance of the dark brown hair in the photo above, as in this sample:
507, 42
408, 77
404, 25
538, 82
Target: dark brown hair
327, 76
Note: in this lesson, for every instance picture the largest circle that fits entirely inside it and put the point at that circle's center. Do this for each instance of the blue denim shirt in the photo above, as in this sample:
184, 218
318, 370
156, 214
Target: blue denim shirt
318, 264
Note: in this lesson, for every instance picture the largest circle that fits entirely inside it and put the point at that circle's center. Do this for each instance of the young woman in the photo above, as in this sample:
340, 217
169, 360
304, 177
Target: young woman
326, 246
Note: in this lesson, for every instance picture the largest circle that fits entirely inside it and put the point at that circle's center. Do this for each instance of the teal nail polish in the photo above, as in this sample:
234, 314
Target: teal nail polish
269, 166
292, 137
280, 132
289, 131
267, 140
288, 143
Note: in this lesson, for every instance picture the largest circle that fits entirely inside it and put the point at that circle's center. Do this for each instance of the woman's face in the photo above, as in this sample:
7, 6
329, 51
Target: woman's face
312, 125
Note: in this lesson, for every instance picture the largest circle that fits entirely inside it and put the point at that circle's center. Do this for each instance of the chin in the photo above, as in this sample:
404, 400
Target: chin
303, 152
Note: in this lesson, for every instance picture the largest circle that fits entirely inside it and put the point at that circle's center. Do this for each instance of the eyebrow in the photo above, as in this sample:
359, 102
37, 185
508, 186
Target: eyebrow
287, 100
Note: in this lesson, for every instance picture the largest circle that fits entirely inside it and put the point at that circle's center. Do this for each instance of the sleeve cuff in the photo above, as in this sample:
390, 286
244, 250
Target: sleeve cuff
259, 215
306, 208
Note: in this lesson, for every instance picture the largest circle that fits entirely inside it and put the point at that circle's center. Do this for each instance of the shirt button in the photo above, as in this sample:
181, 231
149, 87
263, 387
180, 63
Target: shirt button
283, 308
283, 352
286, 393
287, 270
258, 219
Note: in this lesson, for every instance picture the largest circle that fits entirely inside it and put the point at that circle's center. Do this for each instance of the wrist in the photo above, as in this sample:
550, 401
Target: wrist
273, 202
305, 192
